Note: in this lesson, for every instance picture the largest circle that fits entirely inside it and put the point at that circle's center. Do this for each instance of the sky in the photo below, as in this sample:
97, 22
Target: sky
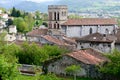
38, 1
41, 0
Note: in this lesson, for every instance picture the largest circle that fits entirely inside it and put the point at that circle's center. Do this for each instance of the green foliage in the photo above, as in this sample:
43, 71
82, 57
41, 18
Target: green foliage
31, 54
22, 26
50, 77
54, 51
37, 15
15, 13
72, 69
34, 54
30, 21
113, 67
8, 70
10, 22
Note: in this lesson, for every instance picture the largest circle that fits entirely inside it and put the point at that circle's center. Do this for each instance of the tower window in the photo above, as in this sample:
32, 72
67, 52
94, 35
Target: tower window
58, 26
58, 17
55, 26
54, 15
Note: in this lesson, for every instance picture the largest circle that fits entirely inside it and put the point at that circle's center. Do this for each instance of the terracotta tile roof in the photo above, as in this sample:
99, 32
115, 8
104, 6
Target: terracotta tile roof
37, 32
97, 37
69, 40
54, 40
91, 21
89, 56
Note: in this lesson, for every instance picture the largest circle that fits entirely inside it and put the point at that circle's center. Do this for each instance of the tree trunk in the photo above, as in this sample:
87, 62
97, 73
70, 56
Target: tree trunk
74, 76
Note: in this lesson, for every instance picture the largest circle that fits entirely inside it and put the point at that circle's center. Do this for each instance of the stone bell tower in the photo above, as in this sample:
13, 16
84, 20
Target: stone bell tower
57, 14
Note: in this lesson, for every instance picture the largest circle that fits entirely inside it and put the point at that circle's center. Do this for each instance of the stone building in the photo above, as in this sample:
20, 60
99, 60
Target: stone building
104, 43
86, 26
57, 15
87, 59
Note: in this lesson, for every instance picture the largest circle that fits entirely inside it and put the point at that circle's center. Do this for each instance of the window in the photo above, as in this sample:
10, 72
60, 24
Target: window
107, 31
82, 47
58, 17
50, 25
80, 43
54, 15
90, 31
109, 45
62, 13
55, 26
58, 26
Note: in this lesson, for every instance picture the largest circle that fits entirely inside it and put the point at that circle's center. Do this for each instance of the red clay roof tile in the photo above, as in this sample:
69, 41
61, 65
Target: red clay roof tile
91, 21
89, 56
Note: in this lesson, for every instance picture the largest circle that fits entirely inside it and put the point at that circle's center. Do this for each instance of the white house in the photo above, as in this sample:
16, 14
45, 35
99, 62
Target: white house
2, 24
10, 37
12, 29
85, 26
5, 17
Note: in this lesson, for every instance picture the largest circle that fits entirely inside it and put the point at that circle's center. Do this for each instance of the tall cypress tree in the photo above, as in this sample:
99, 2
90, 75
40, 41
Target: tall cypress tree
13, 12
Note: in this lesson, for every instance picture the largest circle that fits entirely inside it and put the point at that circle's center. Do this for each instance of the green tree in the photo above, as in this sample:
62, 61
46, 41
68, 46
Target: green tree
18, 13
13, 13
73, 69
113, 67
54, 51
10, 22
32, 54
37, 15
8, 70
30, 21
22, 26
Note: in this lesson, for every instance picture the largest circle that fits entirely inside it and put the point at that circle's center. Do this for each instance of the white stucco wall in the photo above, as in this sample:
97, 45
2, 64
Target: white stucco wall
73, 31
79, 31
35, 39
12, 29
9, 37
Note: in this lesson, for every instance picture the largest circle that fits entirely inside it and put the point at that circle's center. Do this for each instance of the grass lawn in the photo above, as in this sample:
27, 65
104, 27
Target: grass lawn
23, 77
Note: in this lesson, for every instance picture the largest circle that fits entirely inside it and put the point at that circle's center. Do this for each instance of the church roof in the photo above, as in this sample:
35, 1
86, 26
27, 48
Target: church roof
54, 40
91, 21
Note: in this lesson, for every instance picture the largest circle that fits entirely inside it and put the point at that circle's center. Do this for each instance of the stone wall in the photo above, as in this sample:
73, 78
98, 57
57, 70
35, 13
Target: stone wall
57, 15
104, 47
59, 65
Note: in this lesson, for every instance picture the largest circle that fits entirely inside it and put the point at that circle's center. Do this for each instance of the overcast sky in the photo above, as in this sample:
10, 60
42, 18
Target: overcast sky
41, 0
5, 1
